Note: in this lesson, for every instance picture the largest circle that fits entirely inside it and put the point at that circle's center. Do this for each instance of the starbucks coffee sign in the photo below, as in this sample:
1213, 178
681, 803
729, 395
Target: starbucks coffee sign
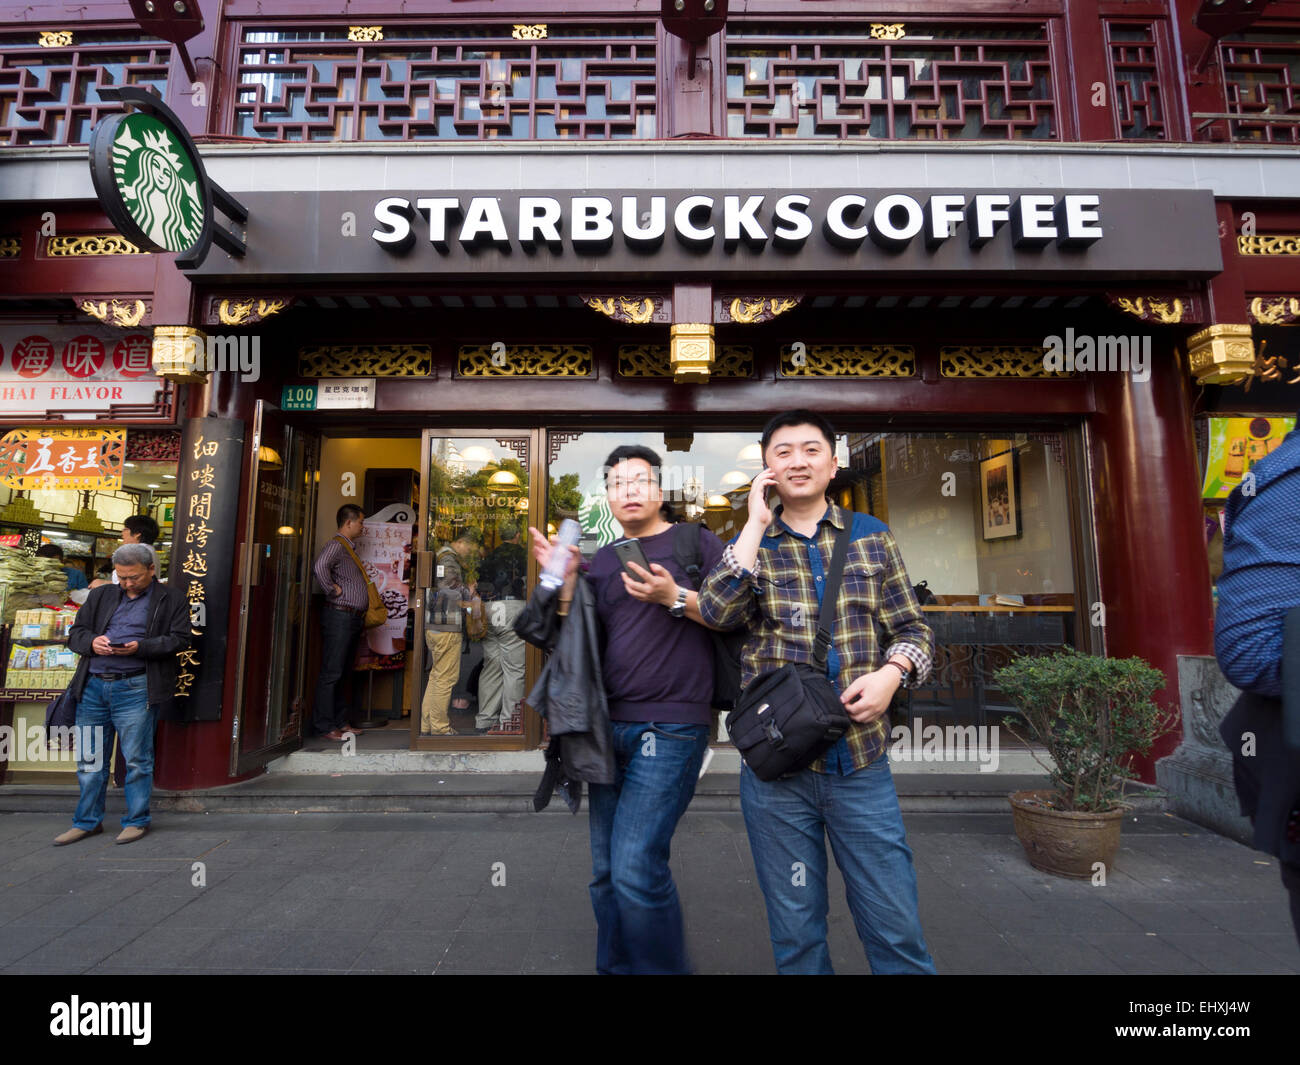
152, 184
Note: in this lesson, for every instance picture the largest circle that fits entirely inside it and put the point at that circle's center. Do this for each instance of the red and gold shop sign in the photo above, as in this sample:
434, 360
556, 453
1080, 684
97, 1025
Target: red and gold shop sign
62, 458
75, 373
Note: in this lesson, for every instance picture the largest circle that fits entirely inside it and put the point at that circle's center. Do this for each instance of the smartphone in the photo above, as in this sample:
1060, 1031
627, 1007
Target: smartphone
118, 646
630, 551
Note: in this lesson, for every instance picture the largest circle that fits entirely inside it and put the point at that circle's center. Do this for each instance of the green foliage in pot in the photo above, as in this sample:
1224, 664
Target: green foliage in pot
1091, 714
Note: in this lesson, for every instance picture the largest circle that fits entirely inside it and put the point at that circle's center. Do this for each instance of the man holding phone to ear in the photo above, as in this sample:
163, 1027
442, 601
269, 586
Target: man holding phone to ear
657, 667
770, 582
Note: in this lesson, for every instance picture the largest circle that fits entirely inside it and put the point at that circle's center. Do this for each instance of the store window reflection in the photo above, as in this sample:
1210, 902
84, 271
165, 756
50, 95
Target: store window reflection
478, 524
982, 520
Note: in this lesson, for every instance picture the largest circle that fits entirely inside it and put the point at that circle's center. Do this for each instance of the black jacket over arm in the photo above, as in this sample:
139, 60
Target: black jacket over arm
167, 632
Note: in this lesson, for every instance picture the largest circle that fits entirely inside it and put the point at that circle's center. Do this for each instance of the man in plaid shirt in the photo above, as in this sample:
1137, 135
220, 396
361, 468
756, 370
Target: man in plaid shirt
770, 581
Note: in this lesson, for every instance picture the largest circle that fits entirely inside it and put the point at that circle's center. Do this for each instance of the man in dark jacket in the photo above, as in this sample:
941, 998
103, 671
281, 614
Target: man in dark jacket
127, 635
657, 668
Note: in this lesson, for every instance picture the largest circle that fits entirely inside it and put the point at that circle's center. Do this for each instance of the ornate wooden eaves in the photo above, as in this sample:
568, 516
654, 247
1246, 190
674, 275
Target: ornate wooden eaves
224, 310
1275, 310
750, 309
1182, 309
637, 309
366, 360
122, 314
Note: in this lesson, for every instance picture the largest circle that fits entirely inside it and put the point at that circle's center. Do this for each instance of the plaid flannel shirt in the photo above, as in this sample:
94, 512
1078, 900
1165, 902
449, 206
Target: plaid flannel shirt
778, 601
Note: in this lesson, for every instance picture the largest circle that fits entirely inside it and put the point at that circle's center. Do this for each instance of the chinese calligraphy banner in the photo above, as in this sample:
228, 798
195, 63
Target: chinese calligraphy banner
1236, 444
79, 372
203, 557
62, 458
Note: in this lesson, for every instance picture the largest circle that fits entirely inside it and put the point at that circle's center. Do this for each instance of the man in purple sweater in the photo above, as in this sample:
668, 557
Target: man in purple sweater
657, 664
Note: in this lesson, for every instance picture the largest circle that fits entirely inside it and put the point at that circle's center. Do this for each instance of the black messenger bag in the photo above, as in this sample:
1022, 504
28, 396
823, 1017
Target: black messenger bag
789, 717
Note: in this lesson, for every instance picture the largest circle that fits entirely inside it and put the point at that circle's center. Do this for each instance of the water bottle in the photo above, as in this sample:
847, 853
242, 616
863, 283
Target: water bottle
570, 533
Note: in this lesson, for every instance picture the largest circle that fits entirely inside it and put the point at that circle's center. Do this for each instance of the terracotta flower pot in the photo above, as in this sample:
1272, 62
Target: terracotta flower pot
1062, 842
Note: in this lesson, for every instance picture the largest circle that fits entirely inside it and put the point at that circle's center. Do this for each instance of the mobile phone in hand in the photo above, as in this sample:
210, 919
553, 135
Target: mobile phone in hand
629, 550
118, 646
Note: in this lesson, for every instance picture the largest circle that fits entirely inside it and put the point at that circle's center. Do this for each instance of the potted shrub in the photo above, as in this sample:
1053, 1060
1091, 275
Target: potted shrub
1092, 714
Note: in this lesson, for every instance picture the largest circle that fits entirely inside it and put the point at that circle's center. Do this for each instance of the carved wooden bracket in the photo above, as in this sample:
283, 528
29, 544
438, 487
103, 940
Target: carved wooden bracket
1164, 309
632, 309
750, 310
124, 313
225, 310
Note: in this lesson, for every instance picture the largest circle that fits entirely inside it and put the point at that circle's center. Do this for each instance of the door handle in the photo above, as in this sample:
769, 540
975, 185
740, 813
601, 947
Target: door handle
423, 569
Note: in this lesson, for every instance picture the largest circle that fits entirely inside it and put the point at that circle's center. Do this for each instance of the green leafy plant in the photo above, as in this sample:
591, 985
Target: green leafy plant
1092, 714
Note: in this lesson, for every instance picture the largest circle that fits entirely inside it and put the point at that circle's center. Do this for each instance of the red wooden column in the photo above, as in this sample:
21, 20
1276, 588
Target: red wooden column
1153, 567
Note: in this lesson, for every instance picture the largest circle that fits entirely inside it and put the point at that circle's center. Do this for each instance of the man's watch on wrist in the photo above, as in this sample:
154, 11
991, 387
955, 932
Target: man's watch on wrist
678, 609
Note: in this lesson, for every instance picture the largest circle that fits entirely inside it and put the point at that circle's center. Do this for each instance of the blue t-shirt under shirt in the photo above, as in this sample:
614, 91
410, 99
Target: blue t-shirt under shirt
656, 667
130, 622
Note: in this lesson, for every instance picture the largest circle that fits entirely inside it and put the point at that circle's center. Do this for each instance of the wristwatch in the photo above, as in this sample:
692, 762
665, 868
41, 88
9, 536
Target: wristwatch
678, 609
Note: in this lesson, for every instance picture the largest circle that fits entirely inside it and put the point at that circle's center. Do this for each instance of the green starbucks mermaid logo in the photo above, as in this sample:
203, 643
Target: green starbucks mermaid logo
158, 183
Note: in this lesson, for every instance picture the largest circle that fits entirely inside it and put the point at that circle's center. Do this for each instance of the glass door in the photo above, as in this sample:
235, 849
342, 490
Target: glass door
473, 572
273, 573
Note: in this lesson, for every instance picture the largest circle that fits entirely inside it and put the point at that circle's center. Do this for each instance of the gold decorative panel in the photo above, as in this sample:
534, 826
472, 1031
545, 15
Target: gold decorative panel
1269, 245
365, 33
631, 310
247, 312
1277, 310
996, 361
524, 360
90, 244
1149, 308
10, 247
529, 33
114, 312
888, 31
747, 310
651, 360
366, 360
178, 352
54, 38
847, 360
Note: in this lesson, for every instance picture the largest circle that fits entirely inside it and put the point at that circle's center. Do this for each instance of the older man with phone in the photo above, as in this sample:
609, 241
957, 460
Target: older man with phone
657, 667
127, 635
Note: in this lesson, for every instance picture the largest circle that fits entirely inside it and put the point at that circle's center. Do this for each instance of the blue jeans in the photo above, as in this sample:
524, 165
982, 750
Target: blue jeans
787, 821
638, 915
340, 633
109, 707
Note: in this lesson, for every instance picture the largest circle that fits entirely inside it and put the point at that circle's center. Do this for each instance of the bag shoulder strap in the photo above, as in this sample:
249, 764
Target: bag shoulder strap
348, 548
686, 550
826, 615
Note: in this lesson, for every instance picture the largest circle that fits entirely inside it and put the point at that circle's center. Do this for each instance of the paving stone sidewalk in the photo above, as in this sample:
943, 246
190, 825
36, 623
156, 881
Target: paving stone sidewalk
413, 893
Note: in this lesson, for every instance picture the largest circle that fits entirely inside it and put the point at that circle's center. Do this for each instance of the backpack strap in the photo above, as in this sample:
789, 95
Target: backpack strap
826, 615
687, 552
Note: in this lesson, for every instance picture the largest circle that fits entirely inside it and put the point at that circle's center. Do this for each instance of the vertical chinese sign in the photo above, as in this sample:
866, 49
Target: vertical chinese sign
203, 557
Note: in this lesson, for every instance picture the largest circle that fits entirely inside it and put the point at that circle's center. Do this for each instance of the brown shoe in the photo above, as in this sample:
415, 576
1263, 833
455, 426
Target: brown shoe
335, 735
131, 833
74, 834
350, 729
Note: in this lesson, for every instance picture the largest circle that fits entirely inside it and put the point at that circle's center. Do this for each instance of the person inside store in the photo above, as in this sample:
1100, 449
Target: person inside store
1259, 586
342, 622
76, 575
127, 635
501, 584
770, 583
444, 629
657, 668
137, 529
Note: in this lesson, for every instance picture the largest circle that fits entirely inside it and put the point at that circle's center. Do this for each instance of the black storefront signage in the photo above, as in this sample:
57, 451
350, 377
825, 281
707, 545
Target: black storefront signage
711, 234
203, 549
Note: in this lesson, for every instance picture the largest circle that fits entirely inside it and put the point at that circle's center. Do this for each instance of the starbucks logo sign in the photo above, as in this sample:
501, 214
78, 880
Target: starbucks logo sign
152, 183
158, 183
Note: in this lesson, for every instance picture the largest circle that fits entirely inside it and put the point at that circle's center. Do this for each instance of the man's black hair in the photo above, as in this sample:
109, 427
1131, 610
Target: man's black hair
50, 551
143, 526
798, 417
633, 451
346, 513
